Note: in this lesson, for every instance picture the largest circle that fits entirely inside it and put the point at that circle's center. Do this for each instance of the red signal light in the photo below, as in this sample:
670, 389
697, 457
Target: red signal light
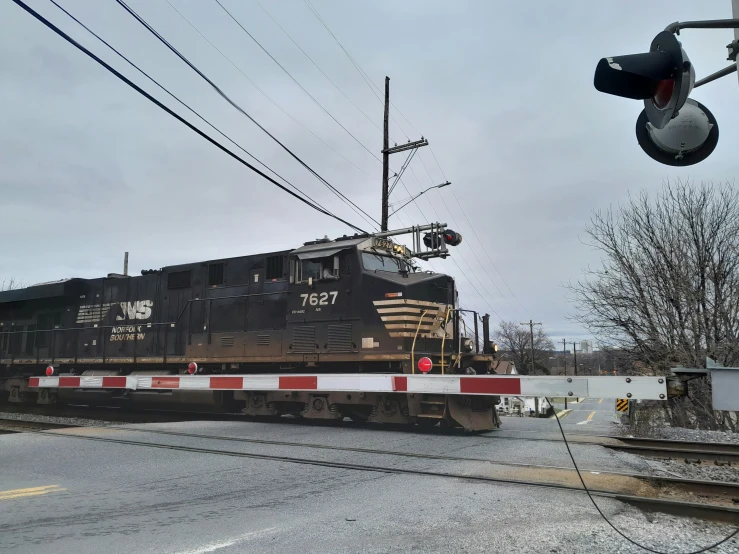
425, 365
452, 238
192, 369
663, 93
49, 371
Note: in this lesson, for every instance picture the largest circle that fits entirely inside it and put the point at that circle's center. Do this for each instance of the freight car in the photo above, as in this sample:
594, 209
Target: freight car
354, 304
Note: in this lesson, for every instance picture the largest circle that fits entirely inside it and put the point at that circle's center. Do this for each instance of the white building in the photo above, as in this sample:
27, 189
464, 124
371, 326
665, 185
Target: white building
586, 347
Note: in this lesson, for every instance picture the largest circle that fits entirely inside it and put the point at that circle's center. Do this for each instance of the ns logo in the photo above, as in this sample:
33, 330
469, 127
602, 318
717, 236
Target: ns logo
140, 309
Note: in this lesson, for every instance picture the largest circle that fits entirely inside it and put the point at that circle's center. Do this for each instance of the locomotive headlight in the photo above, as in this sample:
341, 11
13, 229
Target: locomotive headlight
468, 345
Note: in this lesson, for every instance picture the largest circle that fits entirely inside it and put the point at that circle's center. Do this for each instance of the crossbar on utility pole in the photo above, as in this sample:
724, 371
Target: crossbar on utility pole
406, 146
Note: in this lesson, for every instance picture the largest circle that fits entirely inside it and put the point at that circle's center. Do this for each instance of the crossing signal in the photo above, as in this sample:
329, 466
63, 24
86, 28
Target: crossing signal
433, 240
671, 129
452, 238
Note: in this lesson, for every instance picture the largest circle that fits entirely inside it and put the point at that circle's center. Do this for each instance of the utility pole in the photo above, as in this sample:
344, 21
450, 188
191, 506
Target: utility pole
386, 151
385, 156
574, 353
564, 353
531, 329
531, 324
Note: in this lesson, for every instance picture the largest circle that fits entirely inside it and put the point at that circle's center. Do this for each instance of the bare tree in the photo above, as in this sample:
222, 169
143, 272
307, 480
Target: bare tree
516, 341
667, 293
10, 284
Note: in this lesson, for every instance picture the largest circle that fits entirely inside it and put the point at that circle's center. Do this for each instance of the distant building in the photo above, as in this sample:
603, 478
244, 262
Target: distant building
505, 367
586, 347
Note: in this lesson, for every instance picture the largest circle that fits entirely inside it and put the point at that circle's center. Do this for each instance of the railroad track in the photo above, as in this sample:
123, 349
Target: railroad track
657, 448
689, 450
721, 494
8, 425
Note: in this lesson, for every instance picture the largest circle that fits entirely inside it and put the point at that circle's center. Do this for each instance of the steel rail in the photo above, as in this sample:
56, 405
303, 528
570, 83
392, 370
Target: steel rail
713, 512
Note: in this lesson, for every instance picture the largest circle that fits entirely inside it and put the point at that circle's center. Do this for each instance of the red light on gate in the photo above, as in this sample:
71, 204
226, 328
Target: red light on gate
192, 368
49, 371
425, 365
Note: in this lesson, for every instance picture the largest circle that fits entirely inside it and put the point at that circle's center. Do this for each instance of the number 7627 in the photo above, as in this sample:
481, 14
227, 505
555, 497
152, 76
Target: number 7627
319, 299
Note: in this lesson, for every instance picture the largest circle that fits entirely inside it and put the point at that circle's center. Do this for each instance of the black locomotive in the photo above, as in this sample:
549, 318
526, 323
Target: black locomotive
355, 304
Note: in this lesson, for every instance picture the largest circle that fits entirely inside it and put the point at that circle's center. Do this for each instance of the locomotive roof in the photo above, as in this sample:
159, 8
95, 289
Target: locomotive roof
65, 287
327, 248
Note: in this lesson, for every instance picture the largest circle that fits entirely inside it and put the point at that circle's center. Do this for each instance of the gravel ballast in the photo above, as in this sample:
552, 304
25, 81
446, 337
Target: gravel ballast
71, 421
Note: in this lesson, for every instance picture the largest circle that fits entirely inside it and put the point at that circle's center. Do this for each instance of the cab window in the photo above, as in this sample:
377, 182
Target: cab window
309, 269
376, 262
320, 269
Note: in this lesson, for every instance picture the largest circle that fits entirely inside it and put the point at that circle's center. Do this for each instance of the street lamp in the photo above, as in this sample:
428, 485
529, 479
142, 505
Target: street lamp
442, 185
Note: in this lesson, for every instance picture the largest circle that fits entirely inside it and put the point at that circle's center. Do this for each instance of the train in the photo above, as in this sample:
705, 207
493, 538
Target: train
355, 304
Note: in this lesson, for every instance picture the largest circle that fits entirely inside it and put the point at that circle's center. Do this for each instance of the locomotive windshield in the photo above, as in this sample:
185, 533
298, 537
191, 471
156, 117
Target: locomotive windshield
377, 262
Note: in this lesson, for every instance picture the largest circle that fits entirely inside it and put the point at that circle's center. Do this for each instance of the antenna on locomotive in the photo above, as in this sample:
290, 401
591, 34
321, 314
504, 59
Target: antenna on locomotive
125, 264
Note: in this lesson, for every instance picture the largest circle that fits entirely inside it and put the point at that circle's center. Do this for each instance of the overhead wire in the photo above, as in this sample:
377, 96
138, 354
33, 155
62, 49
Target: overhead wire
316, 65
223, 95
182, 120
474, 232
263, 93
402, 170
361, 72
483, 298
295, 81
181, 102
372, 87
482, 266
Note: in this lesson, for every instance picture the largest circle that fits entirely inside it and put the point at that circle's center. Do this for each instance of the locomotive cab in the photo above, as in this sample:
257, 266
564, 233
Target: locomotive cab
363, 300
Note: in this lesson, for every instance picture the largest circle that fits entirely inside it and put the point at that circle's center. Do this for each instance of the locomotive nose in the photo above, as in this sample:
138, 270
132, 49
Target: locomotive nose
436, 288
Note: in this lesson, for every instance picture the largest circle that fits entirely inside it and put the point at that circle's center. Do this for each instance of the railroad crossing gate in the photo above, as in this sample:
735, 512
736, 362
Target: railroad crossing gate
652, 388
622, 404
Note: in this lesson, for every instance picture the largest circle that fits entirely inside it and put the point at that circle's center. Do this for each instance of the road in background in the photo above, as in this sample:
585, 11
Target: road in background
590, 410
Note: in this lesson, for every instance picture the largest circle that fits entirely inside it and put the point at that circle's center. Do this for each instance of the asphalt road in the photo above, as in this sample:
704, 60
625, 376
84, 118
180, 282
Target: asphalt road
62, 493
591, 410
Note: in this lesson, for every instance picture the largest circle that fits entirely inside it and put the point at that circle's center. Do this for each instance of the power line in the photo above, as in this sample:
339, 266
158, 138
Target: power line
361, 72
474, 232
294, 80
316, 65
267, 96
236, 106
154, 81
455, 261
182, 120
372, 87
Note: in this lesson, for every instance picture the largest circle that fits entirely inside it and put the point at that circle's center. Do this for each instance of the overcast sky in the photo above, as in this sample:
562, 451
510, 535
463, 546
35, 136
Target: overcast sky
502, 90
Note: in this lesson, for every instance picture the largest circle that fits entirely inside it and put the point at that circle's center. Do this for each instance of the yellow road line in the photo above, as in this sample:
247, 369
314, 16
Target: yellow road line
600, 401
33, 491
591, 416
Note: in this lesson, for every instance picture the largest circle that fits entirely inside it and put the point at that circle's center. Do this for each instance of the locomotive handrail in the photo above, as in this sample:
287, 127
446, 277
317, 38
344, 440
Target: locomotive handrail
443, 339
413, 346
